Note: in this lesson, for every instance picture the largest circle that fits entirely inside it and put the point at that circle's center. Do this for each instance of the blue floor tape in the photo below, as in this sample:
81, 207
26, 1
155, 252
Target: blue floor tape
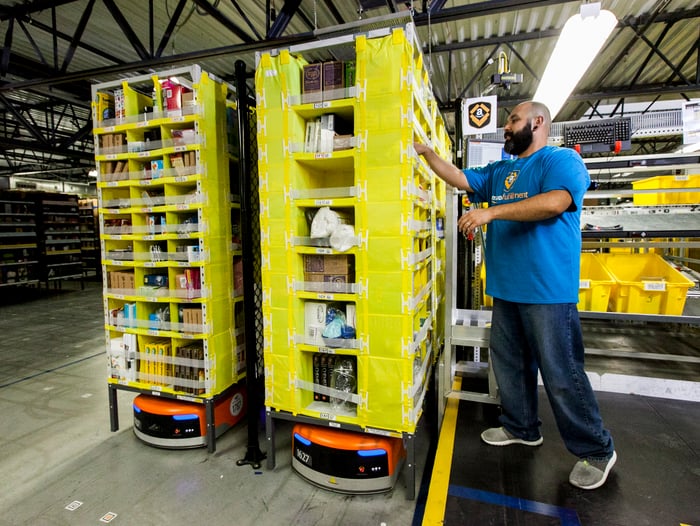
568, 517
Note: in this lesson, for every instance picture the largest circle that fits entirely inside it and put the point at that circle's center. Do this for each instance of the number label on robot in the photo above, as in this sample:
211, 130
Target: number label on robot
303, 456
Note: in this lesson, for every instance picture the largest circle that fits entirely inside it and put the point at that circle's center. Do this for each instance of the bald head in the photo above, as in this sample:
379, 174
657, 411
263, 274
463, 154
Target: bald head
538, 113
527, 128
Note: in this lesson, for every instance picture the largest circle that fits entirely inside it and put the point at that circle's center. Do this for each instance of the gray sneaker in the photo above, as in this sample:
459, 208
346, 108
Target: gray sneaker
591, 474
499, 436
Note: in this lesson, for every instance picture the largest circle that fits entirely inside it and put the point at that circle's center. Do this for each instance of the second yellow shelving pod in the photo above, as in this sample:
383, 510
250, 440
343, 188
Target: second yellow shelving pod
384, 281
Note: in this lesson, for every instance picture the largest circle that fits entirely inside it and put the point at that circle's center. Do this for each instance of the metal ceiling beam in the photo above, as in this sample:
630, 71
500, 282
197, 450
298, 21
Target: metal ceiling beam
330, 4
636, 91
247, 20
614, 92
12, 144
28, 69
486, 8
129, 33
289, 8
78, 136
656, 50
7, 46
29, 7
650, 54
456, 14
182, 58
435, 6
487, 42
30, 37
219, 17
551, 33
63, 36
77, 35
170, 29
23, 120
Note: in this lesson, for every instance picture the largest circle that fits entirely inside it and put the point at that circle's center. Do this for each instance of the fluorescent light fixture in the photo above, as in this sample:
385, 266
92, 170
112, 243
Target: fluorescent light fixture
580, 41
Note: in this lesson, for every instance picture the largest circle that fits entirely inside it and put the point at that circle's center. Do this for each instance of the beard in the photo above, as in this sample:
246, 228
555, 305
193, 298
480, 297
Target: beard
516, 143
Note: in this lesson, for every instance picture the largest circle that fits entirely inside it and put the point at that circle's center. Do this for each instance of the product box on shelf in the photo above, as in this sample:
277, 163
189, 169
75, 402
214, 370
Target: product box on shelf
121, 279
333, 75
314, 321
333, 270
349, 73
327, 263
192, 315
313, 80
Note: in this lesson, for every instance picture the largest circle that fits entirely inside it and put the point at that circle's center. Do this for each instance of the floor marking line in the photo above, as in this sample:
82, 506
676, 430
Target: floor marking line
567, 516
440, 479
53, 369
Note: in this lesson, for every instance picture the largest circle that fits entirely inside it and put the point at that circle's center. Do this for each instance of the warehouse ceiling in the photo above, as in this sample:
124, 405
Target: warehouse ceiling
53, 51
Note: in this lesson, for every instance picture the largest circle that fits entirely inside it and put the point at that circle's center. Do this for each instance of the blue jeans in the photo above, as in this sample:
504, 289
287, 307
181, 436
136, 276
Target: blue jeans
525, 337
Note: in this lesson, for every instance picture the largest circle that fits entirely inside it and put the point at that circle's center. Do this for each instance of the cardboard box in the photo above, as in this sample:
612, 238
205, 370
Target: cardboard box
349, 74
119, 279
314, 321
312, 83
313, 78
342, 142
181, 281
192, 316
327, 264
333, 75
336, 283
188, 99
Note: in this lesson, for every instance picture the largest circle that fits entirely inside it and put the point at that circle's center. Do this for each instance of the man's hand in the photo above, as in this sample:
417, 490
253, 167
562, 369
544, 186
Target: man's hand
421, 149
473, 219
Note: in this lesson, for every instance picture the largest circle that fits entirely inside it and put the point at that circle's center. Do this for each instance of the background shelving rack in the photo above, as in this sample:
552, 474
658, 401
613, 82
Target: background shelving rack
396, 206
19, 249
165, 208
59, 238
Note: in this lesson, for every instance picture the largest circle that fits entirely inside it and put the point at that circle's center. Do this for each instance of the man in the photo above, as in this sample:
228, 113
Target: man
533, 250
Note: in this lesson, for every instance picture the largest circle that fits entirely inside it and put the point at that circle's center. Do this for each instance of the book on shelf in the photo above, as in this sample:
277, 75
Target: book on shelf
333, 75
320, 134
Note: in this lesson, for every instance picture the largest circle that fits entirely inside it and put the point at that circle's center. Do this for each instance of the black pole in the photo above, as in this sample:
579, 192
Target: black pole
253, 455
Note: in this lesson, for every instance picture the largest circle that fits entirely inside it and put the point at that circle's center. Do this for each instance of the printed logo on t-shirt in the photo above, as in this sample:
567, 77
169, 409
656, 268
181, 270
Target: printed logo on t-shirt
507, 195
512, 176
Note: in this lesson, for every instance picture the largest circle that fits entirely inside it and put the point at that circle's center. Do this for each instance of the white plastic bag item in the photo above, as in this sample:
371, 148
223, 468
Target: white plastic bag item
325, 222
343, 238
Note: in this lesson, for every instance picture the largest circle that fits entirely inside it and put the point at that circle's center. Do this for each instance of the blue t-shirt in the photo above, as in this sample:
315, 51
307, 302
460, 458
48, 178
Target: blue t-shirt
538, 261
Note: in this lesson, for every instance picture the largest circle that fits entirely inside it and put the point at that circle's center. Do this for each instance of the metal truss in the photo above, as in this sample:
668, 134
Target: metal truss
45, 114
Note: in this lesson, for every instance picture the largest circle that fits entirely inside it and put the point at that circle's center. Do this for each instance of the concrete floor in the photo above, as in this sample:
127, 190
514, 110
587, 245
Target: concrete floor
58, 451
57, 447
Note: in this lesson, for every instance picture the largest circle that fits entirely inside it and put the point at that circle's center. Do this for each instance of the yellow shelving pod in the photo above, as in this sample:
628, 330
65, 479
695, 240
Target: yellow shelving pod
386, 277
173, 316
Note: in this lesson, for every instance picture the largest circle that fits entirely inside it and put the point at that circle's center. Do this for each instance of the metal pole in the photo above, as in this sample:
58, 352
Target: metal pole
253, 454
